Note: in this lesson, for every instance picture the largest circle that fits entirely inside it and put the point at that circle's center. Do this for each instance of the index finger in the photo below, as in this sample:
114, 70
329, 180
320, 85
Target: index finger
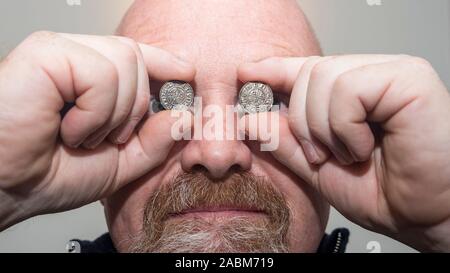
148, 148
278, 72
163, 66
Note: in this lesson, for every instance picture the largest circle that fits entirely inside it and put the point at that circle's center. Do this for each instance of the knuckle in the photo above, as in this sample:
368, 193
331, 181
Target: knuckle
342, 84
320, 69
102, 116
42, 35
123, 38
121, 114
312, 61
295, 123
142, 104
419, 63
109, 75
110, 72
337, 124
315, 127
131, 43
36, 43
127, 54
144, 95
417, 75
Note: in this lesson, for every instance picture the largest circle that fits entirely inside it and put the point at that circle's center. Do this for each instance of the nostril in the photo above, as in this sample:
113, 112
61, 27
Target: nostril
216, 175
198, 168
216, 159
236, 168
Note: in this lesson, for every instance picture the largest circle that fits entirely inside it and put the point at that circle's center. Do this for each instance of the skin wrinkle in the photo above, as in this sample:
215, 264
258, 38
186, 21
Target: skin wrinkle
216, 39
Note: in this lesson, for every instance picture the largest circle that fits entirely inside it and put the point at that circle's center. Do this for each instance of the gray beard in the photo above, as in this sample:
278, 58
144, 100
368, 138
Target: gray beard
232, 235
165, 229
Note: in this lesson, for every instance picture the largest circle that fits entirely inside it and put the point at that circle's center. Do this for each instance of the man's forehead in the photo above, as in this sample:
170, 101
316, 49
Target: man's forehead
203, 30
217, 36
219, 54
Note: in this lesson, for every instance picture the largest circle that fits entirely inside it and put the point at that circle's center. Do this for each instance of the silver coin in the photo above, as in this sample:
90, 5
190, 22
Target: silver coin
256, 97
176, 94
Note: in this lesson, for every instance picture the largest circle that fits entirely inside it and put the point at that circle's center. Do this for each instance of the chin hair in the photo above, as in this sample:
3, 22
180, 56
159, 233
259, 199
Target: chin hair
232, 235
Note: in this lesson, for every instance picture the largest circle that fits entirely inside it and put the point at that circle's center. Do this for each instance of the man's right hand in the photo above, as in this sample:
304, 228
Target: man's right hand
51, 164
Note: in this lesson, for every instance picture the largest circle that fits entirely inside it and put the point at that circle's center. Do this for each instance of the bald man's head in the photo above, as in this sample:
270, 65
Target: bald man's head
278, 22
222, 179
217, 35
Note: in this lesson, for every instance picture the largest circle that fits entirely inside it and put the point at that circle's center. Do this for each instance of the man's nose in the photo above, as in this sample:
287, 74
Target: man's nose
218, 157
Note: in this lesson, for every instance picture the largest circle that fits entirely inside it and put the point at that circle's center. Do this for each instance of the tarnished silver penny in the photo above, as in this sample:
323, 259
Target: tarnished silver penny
176, 94
256, 97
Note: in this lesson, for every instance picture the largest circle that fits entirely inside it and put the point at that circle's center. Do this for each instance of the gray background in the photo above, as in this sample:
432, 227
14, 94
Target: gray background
415, 27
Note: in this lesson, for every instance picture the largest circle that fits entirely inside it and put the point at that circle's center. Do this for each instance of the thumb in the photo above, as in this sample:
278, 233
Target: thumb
271, 127
338, 184
164, 66
150, 147
280, 73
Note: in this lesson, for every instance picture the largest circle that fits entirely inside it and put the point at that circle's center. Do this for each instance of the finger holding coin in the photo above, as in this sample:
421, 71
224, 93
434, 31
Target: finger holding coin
176, 95
256, 97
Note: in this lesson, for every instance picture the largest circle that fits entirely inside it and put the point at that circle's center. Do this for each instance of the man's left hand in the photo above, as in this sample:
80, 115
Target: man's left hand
371, 133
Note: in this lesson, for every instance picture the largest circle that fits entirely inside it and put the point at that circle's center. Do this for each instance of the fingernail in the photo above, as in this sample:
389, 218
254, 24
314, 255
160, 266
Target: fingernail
73, 146
343, 157
93, 143
310, 151
354, 157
